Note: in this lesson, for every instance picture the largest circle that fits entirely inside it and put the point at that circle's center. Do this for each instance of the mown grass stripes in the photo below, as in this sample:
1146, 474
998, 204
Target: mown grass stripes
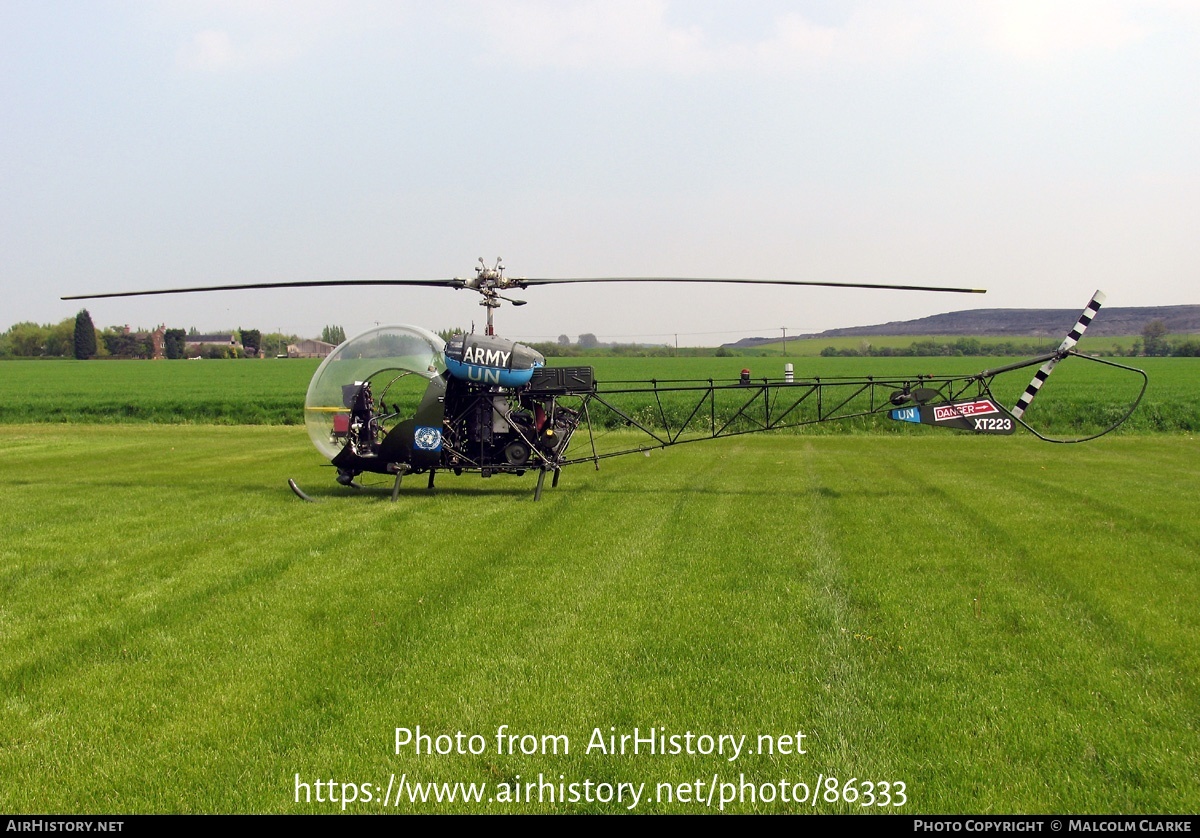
1002, 625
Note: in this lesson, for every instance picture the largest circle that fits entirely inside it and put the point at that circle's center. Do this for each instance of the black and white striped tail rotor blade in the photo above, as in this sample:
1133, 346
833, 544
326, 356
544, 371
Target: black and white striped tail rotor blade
1068, 343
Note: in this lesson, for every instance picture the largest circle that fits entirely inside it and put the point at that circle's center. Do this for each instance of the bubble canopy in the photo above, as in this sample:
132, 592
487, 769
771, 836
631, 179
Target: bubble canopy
399, 361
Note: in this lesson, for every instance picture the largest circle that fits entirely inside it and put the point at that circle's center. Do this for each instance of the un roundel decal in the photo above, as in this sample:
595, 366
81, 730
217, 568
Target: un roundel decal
428, 439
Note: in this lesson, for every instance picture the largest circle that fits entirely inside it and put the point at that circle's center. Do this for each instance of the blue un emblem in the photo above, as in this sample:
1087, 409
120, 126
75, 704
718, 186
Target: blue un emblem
428, 439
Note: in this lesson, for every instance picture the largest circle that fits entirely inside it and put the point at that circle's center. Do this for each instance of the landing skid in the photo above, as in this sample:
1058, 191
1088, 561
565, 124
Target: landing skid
400, 472
299, 492
537, 492
403, 470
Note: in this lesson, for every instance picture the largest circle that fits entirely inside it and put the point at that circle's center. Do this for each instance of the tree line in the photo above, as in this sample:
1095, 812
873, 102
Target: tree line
78, 337
1152, 343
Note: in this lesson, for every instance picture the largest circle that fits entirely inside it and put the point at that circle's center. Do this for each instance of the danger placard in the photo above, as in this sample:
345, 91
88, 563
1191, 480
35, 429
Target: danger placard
978, 407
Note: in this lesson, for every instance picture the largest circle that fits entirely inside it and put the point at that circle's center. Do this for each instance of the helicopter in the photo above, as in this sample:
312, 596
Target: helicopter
399, 400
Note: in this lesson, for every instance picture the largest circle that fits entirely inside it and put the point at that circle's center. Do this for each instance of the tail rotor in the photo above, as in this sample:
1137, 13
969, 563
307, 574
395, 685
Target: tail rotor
1065, 347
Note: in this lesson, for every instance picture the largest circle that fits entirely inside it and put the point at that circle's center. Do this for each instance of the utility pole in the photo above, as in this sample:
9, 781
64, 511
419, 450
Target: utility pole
784, 339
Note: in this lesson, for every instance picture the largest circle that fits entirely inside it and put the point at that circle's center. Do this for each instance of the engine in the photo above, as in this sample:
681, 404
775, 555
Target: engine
496, 430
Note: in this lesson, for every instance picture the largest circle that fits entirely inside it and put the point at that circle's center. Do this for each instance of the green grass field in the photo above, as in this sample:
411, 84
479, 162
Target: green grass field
999, 625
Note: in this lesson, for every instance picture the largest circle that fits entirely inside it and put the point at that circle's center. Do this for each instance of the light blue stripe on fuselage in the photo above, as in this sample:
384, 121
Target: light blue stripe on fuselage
488, 375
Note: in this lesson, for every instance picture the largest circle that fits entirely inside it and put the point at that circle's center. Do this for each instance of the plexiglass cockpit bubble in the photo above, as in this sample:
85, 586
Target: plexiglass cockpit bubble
398, 361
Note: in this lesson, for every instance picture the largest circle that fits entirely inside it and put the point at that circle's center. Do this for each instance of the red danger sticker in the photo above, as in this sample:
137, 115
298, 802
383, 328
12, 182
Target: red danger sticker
953, 411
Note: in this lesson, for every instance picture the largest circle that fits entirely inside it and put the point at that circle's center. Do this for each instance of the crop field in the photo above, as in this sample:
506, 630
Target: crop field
1080, 395
221, 392
954, 623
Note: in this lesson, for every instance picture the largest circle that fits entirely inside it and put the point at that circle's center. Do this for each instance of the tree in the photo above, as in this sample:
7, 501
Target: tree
174, 343
588, 341
27, 340
563, 340
333, 334
85, 335
276, 343
60, 339
251, 341
1187, 349
1154, 338
969, 346
123, 344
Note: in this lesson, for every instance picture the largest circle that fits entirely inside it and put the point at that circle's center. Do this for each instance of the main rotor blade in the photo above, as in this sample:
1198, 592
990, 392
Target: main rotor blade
518, 282
523, 281
319, 283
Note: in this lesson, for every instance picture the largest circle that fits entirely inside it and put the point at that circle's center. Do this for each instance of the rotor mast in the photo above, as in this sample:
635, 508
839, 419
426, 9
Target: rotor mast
486, 282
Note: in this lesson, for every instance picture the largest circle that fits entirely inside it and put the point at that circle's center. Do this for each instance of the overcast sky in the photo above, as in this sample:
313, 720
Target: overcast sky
1041, 150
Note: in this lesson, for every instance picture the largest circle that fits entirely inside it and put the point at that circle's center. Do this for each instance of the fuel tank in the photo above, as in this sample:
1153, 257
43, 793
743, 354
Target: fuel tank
486, 359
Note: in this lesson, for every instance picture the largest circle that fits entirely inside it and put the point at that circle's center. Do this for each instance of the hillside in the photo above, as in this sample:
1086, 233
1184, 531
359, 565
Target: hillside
1021, 322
